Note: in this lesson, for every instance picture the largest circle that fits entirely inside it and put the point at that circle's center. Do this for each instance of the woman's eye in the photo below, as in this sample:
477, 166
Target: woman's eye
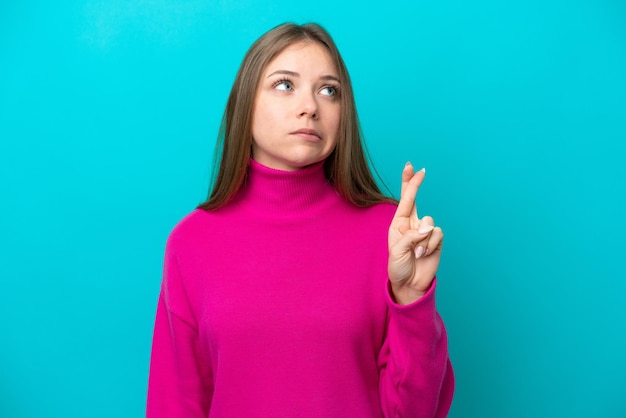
283, 85
329, 91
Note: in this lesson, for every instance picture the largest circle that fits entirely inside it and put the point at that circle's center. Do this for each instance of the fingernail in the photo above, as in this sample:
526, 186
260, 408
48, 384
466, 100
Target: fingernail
408, 163
424, 170
424, 229
419, 251
427, 252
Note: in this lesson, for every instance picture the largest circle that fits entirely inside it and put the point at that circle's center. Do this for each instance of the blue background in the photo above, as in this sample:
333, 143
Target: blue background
109, 112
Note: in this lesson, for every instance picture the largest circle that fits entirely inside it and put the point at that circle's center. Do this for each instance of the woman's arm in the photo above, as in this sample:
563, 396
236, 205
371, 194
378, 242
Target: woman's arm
181, 382
416, 377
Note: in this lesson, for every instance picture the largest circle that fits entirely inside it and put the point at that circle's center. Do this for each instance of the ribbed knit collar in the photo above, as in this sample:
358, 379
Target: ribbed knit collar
286, 193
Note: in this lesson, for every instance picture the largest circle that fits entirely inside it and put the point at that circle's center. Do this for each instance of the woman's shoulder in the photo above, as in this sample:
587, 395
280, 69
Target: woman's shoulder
375, 216
190, 227
382, 210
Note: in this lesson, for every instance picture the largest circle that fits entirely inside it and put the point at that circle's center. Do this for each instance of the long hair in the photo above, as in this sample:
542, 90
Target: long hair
346, 168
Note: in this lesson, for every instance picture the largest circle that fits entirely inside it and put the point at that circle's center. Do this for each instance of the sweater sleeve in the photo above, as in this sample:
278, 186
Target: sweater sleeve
180, 383
416, 378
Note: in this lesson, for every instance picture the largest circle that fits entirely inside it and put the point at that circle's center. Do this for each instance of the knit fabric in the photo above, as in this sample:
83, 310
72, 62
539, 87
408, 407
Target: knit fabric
278, 305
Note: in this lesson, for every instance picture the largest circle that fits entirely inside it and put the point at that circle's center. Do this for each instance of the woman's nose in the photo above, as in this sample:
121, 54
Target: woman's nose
308, 106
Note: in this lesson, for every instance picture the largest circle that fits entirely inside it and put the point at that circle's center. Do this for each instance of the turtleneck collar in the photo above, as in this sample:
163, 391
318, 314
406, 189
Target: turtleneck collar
285, 193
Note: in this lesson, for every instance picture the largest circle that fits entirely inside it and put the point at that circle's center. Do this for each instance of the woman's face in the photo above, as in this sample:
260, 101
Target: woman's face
297, 108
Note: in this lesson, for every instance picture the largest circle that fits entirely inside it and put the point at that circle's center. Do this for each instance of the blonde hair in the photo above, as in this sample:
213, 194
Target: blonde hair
346, 168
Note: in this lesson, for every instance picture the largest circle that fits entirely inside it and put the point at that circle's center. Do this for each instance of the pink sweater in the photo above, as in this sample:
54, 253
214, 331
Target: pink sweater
277, 305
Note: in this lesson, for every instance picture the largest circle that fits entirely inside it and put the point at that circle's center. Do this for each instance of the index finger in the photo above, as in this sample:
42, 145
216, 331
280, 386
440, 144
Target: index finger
411, 183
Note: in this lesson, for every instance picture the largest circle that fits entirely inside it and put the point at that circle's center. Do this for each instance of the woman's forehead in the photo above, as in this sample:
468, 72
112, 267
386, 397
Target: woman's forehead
303, 56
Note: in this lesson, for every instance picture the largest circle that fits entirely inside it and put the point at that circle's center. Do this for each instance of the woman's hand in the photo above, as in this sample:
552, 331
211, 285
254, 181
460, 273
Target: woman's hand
414, 244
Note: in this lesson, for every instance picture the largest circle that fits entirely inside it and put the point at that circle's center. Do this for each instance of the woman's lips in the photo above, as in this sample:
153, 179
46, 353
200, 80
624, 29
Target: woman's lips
308, 134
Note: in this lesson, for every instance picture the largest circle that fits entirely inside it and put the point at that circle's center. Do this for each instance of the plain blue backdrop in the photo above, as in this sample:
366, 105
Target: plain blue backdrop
109, 112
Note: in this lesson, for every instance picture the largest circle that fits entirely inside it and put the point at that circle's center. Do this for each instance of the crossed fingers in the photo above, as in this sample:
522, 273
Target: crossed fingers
419, 234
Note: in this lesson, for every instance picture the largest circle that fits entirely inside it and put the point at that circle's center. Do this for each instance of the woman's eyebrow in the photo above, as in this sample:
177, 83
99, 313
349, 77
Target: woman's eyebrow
285, 72
295, 74
330, 77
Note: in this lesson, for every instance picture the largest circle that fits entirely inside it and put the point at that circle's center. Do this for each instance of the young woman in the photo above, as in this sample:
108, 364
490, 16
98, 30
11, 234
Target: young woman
298, 289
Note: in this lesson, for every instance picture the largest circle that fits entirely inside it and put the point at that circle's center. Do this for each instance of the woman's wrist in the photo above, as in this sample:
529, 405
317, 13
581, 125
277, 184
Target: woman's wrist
404, 295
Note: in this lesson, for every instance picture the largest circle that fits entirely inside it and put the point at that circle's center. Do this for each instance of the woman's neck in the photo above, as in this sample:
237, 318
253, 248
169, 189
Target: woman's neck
286, 193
